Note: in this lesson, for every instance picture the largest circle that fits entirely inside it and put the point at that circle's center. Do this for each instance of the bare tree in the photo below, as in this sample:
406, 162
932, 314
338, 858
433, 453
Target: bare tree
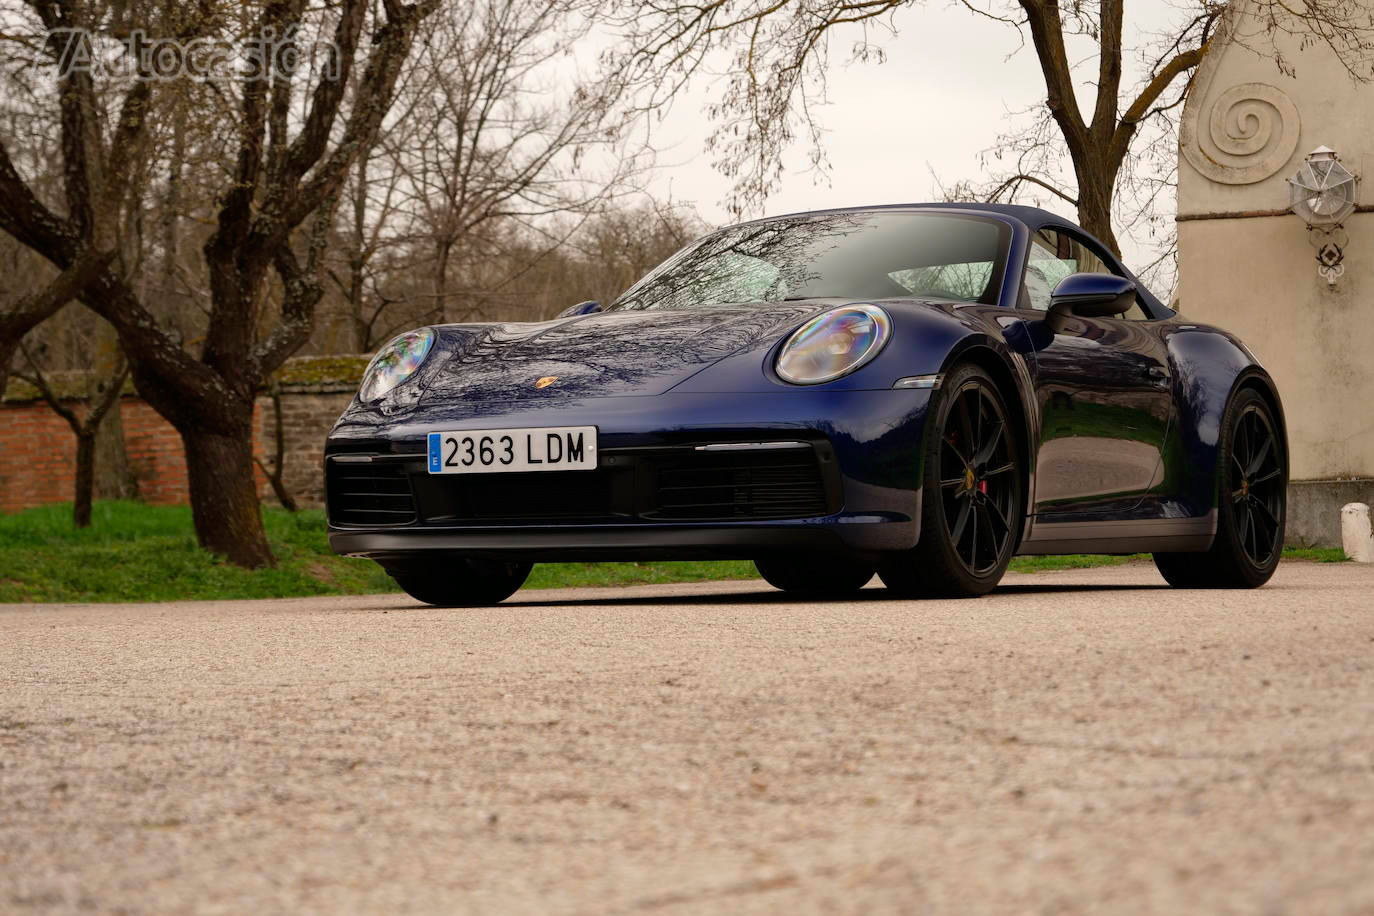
500, 140
84, 426
276, 474
294, 133
779, 52
18, 318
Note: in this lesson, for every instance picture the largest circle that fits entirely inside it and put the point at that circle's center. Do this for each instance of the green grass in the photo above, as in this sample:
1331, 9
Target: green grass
1070, 561
1084, 560
1315, 554
134, 552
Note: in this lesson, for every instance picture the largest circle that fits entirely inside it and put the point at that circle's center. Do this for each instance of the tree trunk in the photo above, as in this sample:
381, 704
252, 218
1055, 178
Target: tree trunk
85, 478
1095, 207
7, 348
114, 476
224, 494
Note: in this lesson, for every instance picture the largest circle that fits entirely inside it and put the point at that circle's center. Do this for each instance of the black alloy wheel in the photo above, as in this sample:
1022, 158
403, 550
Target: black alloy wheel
459, 581
1257, 486
1252, 494
815, 575
977, 478
972, 504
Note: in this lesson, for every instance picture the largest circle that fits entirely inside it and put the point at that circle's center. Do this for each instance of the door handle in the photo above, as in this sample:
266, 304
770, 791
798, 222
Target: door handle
1157, 374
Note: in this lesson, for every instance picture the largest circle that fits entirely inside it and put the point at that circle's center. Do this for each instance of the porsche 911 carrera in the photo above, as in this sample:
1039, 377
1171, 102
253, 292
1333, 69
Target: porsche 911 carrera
917, 391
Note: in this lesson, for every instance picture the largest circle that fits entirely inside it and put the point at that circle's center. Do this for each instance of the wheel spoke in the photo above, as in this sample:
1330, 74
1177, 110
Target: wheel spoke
973, 547
956, 532
1266, 529
966, 429
1266, 478
995, 513
1001, 469
994, 439
1258, 460
1251, 540
1268, 513
1238, 496
990, 540
952, 483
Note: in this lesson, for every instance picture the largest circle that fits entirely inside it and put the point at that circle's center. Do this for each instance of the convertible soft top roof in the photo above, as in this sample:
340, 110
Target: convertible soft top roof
1034, 217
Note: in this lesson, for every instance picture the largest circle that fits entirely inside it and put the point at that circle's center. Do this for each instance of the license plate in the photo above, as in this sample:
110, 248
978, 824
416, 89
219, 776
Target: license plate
487, 451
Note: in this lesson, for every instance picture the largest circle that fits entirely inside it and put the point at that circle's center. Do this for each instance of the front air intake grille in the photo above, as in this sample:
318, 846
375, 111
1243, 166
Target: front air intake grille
713, 483
531, 498
708, 486
371, 494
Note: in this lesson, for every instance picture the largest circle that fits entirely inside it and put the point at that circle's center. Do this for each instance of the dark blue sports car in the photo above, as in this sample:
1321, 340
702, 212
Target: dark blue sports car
923, 391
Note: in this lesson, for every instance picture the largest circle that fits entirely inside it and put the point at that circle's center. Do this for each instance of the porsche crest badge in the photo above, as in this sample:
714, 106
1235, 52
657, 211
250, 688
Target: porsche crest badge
546, 381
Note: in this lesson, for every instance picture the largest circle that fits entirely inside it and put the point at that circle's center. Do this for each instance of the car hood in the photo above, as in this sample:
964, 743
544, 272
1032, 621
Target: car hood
605, 354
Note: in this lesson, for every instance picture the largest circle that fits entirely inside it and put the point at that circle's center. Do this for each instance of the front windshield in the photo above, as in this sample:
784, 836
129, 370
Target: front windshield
848, 255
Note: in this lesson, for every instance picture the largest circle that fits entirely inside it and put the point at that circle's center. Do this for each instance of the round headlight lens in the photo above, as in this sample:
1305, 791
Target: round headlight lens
396, 362
834, 344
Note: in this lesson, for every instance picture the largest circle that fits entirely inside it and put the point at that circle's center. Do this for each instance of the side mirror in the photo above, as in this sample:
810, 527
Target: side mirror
1090, 296
582, 308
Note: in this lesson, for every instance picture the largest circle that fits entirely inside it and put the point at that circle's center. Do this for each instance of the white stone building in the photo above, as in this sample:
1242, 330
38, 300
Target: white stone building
1249, 264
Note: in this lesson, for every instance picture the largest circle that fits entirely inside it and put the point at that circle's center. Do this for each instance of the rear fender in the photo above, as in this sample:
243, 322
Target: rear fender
1209, 366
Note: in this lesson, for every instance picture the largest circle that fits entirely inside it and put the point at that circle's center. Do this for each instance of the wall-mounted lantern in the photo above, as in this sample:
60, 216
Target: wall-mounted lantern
1323, 194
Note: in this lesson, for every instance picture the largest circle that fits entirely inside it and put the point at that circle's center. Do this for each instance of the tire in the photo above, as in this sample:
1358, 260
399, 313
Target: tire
816, 575
460, 582
1252, 504
965, 494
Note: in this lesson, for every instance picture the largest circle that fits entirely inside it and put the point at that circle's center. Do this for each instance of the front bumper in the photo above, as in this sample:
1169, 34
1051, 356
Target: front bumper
867, 443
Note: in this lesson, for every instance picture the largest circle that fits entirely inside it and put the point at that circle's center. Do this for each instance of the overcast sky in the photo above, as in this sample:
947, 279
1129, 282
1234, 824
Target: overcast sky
943, 95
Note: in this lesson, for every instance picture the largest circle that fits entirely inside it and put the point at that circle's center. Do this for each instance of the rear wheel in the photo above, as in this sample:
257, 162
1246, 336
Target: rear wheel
971, 506
815, 574
460, 582
1252, 485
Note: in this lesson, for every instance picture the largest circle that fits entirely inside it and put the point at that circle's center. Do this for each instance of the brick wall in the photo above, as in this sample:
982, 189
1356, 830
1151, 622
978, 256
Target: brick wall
307, 417
38, 450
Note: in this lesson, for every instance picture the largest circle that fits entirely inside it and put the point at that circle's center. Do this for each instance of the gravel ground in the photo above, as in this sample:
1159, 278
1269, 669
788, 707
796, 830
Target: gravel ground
1086, 741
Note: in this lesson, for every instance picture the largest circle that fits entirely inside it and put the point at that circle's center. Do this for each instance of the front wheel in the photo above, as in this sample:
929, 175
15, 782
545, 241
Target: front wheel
816, 575
1252, 485
971, 506
460, 582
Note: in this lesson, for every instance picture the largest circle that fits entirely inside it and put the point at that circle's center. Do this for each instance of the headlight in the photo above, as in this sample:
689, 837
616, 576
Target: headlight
396, 362
834, 344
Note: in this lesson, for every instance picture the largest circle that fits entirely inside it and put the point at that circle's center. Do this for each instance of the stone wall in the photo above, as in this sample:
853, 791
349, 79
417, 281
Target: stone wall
38, 451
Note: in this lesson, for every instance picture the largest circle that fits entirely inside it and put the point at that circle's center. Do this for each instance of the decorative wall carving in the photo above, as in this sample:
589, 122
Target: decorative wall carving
1249, 133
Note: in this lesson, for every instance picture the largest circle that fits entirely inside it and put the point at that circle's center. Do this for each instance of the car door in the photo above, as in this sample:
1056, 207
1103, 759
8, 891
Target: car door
1103, 391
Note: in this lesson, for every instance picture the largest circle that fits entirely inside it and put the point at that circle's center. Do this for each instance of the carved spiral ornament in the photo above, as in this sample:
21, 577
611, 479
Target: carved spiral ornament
1251, 132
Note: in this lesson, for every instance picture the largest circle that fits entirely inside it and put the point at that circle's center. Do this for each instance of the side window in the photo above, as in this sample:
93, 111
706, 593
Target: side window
1053, 256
